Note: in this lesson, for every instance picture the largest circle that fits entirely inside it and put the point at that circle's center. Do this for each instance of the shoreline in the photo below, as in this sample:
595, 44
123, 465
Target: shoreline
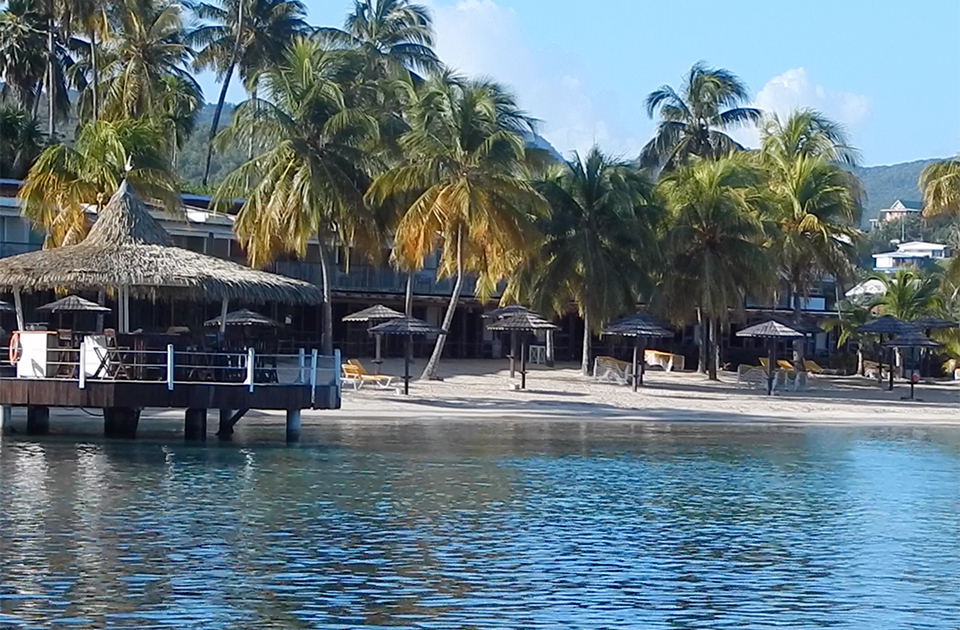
479, 391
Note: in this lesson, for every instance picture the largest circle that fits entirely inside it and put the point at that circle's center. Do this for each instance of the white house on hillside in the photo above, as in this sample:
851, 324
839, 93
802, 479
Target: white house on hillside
910, 255
898, 210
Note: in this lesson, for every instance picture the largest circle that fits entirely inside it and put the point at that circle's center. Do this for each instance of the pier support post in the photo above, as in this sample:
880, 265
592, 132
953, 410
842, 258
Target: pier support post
6, 420
120, 422
38, 420
225, 430
195, 424
293, 425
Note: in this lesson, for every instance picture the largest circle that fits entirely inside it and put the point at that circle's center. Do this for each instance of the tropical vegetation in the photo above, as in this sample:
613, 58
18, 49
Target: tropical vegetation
356, 141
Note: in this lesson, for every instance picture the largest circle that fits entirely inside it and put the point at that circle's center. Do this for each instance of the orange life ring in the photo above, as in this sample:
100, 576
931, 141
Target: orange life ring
15, 349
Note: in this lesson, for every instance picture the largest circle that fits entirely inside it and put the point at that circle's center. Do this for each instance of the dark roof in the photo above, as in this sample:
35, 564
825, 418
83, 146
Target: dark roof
928, 322
375, 313
803, 325
887, 325
520, 322
405, 326
73, 304
770, 329
243, 317
638, 325
913, 339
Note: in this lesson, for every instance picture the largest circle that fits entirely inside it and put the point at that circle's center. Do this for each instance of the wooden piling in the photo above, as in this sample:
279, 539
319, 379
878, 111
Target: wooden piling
293, 425
195, 425
38, 420
120, 422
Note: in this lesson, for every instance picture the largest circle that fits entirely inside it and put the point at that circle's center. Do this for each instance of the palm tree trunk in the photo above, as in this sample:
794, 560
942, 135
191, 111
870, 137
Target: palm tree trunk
256, 106
216, 120
326, 337
51, 107
798, 344
94, 73
430, 371
712, 348
223, 90
585, 353
702, 354
408, 299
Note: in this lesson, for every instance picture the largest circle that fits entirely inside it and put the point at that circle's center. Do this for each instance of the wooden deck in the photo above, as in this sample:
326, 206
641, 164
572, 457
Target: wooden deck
139, 395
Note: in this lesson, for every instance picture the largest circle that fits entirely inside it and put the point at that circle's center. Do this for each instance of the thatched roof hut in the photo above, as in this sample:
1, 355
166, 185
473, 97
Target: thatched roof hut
127, 247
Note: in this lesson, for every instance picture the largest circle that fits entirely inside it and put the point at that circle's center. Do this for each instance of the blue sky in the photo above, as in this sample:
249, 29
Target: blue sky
889, 70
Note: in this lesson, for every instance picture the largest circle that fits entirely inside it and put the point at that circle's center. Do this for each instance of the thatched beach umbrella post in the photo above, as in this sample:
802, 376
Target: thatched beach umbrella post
640, 327
522, 322
128, 251
890, 326
377, 313
407, 326
503, 313
771, 331
911, 340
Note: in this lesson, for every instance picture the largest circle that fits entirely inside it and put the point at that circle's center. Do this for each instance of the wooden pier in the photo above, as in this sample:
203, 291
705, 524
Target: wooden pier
276, 382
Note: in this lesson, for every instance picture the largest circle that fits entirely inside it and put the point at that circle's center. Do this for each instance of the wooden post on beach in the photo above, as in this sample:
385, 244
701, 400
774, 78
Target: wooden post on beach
636, 370
513, 354
293, 425
523, 363
549, 357
195, 424
38, 420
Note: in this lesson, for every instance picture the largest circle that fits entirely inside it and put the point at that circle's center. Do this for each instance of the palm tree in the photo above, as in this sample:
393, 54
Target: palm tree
21, 141
393, 35
908, 295
91, 17
65, 179
693, 121
180, 105
940, 183
464, 171
23, 40
715, 253
244, 36
310, 180
149, 44
850, 317
599, 239
806, 133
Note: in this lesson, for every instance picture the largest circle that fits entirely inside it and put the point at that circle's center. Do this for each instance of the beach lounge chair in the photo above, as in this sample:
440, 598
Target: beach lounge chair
610, 370
752, 376
785, 365
355, 372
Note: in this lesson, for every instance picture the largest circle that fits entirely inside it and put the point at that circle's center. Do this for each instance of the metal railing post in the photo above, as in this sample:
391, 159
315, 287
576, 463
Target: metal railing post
313, 378
170, 367
82, 367
336, 369
250, 371
302, 362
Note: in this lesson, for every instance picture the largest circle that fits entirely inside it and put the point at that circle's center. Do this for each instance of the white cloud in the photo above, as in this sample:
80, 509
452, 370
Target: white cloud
793, 90
481, 38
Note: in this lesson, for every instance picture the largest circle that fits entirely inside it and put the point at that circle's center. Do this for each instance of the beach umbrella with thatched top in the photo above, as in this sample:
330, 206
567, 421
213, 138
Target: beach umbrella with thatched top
73, 304
911, 340
641, 327
526, 321
375, 313
129, 251
509, 311
408, 327
771, 330
888, 325
242, 317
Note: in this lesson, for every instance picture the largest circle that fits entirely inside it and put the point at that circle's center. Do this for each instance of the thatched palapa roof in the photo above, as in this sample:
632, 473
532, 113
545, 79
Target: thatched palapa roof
243, 317
128, 247
771, 330
376, 313
73, 304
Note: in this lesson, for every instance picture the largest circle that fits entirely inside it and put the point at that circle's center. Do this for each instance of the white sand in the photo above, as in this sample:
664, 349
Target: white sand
481, 389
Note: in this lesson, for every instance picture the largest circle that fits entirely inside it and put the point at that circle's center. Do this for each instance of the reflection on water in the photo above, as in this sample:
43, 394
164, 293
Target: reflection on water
473, 525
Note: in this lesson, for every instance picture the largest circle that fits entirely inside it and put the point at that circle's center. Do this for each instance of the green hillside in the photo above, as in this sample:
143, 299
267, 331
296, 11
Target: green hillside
886, 184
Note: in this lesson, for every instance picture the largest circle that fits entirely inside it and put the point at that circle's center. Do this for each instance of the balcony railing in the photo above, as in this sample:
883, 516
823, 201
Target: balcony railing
362, 278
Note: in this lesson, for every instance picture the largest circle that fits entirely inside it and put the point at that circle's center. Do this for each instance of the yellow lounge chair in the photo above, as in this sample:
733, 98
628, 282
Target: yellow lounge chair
356, 376
812, 367
784, 365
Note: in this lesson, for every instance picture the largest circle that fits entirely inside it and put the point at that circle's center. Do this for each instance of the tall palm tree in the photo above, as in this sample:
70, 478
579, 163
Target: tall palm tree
66, 179
92, 19
850, 317
179, 107
309, 182
243, 36
694, 119
394, 35
21, 141
149, 44
23, 62
806, 133
715, 245
940, 183
464, 171
598, 241
908, 295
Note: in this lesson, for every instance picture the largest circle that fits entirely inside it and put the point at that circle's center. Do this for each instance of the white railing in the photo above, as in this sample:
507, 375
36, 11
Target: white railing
178, 367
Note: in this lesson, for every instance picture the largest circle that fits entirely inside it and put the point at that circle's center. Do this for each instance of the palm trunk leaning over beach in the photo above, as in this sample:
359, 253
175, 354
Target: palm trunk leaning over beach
430, 371
326, 339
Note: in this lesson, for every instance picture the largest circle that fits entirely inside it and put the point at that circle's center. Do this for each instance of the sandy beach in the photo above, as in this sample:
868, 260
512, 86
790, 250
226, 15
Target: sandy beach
481, 390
